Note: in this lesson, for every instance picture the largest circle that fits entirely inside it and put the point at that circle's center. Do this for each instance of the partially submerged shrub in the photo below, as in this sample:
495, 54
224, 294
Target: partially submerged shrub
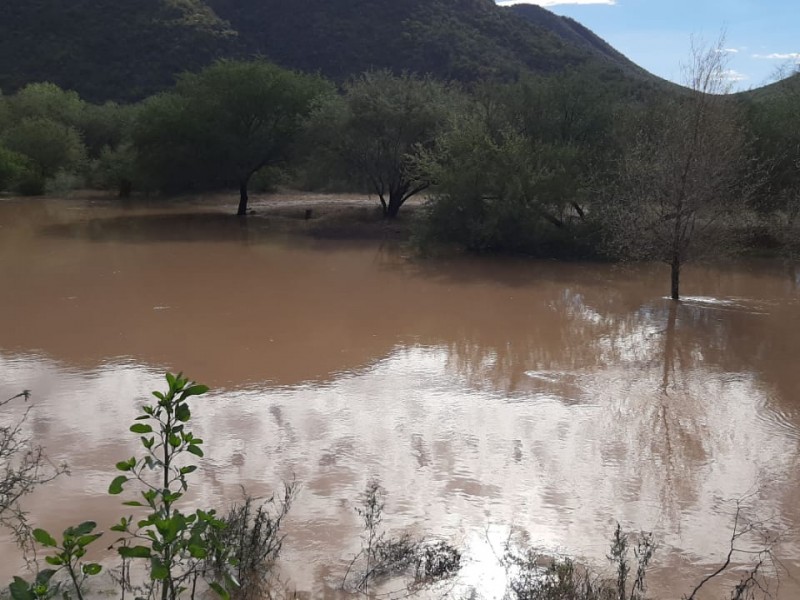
253, 539
534, 577
380, 558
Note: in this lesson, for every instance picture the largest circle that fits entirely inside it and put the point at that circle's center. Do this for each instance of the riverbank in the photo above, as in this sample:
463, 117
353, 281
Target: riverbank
354, 217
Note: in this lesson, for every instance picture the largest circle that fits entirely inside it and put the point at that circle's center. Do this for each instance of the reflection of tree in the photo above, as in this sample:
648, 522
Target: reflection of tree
679, 406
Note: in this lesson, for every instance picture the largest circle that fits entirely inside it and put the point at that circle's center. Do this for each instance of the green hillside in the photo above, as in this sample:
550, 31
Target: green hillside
107, 49
127, 49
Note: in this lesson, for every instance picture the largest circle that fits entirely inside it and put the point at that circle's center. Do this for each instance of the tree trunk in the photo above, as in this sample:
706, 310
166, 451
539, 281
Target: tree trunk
125, 188
242, 199
676, 276
396, 200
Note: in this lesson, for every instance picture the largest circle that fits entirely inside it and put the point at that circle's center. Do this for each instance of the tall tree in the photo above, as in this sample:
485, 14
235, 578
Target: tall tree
222, 125
375, 130
684, 180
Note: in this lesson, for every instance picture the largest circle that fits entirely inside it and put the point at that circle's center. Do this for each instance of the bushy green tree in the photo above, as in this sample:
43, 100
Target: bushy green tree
106, 126
115, 169
519, 173
47, 101
13, 167
78, 130
50, 147
376, 128
222, 125
575, 112
494, 187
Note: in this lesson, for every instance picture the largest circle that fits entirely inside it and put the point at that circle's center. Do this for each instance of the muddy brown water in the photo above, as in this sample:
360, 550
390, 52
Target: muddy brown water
490, 397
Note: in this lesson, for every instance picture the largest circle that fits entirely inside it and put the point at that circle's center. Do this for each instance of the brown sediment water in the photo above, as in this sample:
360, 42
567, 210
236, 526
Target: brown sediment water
488, 396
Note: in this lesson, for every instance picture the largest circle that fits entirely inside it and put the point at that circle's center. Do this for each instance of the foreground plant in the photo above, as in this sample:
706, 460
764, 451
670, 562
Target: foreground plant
176, 545
67, 557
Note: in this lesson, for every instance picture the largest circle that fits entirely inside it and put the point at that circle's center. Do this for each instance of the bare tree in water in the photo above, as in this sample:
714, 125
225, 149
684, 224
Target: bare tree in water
685, 179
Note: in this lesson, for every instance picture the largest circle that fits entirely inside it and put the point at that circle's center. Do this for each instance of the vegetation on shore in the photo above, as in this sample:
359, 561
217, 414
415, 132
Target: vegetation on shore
570, 165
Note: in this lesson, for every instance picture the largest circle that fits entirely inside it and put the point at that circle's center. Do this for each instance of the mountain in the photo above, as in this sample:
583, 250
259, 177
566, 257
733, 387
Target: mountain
127, 49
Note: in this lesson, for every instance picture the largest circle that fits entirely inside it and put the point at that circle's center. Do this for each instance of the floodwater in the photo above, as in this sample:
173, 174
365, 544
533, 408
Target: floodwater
491, 398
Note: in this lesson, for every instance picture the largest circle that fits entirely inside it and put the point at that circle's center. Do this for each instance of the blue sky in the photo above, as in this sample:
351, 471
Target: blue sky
761, 35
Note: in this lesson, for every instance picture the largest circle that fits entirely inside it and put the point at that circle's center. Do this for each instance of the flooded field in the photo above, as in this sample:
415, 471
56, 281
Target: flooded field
488, 396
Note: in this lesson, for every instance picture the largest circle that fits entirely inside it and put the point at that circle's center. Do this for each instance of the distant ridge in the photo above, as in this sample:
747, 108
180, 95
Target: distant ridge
572, 32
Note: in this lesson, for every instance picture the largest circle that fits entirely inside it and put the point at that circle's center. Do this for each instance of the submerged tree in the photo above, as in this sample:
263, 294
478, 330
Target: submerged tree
685, 180
224, 124
378, 126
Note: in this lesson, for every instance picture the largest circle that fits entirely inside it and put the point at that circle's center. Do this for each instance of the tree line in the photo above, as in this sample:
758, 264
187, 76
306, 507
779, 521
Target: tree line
575, 164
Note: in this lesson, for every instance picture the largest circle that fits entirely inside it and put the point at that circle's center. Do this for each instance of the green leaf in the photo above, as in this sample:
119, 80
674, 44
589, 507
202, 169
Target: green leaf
122, 526
126, 465
44, 576
116, 485
158, 571
221, 591
183, 413
21, 590
141, 428
198, 552
83, 528
174, 441
132, 503
187, 470
134, 551
91, 569
195, 390
171, 379
85, 540
195, 450
56, 561
44, 538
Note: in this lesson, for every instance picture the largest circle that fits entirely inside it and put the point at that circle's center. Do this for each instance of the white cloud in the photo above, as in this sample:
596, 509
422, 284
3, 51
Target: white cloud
733, 76
731, 50
780, 56
555, 2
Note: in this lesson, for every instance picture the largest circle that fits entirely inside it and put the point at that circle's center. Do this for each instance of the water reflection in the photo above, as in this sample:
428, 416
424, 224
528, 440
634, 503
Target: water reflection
486, 395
